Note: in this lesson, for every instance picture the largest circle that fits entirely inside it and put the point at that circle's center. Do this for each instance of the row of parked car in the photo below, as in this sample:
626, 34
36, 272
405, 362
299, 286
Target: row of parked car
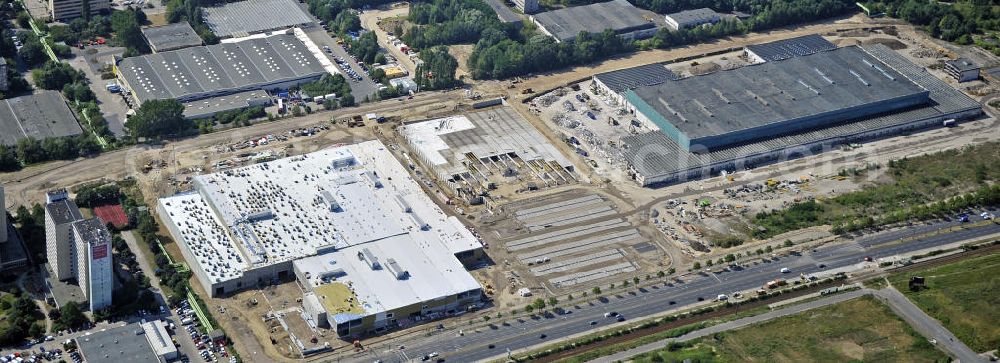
346, 67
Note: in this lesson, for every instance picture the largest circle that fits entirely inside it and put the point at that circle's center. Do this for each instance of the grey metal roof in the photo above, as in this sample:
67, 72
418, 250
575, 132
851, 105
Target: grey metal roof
210, 106
629, 78
503, 12
694, 17
728, 103
618, 15
41, 115
171, 36
214, 70
63, 211
792, 47
117, 345
654, 154
242, 18
92, 231
963, 64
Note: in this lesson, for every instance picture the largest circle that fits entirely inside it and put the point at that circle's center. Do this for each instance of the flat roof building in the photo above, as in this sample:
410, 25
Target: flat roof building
619, 16
484, 147
171, 37
616, 83
787, 48
63, 10
60, 214
759, 101
159, 339
962, 69
526, 6
40, 116
243, 18
656, 158
504, 13
117, 345
692, 18
349, 223
12, 251
260, 63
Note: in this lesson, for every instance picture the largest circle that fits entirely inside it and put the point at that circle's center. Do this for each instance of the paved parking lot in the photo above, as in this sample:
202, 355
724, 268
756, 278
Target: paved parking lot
359, 89
112, 105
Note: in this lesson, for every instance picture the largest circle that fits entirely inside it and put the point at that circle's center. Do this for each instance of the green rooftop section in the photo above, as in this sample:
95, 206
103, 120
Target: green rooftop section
337, 298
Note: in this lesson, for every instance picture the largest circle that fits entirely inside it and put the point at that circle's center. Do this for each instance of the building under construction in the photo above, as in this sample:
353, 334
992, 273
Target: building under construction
477, 151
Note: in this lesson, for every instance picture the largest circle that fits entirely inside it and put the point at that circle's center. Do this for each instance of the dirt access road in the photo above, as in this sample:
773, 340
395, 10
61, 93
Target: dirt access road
28, 185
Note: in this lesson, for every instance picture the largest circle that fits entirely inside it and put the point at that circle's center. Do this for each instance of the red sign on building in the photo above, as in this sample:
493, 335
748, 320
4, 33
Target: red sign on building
99, 251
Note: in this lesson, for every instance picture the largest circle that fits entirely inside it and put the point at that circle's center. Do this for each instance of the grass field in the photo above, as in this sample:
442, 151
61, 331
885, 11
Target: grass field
964, 296
857, 330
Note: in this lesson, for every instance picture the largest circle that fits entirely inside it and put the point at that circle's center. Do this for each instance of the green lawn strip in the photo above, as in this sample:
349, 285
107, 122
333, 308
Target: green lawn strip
963, 296
856, 330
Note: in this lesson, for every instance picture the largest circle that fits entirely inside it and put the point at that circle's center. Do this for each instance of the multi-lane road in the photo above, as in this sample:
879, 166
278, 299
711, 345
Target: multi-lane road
524, 333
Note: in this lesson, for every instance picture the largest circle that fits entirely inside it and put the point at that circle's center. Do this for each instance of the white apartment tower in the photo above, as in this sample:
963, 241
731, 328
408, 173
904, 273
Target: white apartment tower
60, 213
93, 246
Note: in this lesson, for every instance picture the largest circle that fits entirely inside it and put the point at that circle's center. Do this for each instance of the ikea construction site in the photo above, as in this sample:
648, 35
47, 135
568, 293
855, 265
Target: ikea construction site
366, 236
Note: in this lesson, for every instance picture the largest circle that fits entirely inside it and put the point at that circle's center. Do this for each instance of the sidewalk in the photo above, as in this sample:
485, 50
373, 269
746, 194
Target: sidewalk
926, 325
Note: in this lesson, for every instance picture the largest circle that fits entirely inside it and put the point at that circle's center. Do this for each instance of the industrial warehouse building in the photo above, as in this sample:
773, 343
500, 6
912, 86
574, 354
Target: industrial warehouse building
777, 110
614, 84
41, 115
348, 223
171, 37
147, 342
258, 63
787, 48
962, 69
243, 18
620, 16
692, 18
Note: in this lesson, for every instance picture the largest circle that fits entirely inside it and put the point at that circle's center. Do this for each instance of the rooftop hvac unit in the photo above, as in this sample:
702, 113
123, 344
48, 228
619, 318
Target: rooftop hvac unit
342, 161
369, 258
260, 215
326, 276
374, 178
420, 222
403, 204
396, 270
330, 201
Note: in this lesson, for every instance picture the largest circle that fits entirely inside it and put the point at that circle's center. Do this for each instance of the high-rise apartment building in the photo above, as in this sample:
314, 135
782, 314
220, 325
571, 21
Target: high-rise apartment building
60, 213
93, 246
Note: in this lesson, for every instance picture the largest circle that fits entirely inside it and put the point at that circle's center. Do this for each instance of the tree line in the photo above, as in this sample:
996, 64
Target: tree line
190, 11
955, 22
449, 22
498, 55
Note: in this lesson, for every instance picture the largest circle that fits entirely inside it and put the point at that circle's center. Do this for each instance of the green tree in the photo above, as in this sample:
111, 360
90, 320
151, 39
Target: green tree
56, 75
538, 304
157, 118
70, 317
